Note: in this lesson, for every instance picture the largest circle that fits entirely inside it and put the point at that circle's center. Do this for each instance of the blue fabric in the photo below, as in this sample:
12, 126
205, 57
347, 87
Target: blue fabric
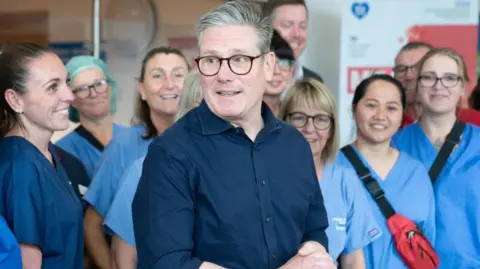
81, 148
10, 254
407, 187
119, 217
76, 173
352, 225
39, 204
121, 152
457, 194
208, 193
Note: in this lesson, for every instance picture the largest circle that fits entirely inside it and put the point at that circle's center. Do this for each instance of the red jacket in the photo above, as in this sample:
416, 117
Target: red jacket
466, 115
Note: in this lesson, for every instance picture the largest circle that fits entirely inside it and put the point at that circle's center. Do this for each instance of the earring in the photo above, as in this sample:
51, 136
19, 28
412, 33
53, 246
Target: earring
19, 110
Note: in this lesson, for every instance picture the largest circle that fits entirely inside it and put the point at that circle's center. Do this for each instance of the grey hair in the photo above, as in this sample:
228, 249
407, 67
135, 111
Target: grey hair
192, 90
234, 13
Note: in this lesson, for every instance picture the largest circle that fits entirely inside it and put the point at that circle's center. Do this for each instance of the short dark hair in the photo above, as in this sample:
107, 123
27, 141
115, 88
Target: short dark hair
362, 88
415, 45
474, 99
142, 113
14, 75
270, 6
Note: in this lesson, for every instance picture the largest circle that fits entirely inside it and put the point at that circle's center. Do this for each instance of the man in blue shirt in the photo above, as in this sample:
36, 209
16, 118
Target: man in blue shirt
229, 185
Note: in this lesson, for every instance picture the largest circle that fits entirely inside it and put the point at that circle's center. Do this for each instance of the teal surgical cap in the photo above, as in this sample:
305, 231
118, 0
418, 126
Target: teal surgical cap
80, 63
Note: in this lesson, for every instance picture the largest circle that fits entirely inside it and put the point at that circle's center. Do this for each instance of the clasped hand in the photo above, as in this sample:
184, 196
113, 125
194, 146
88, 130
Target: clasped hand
311, 255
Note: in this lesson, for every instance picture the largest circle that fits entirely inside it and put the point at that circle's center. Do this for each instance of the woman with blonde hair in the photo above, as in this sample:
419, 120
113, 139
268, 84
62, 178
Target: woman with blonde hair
119, 217
191, 96
310, 107
449, 149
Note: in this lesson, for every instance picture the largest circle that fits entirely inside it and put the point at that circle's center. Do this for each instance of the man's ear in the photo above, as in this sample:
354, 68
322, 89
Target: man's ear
14, 100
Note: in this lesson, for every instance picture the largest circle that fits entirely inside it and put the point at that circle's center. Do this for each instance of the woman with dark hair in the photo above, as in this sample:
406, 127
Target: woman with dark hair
36, 199
160, 84
441, 84
378, 106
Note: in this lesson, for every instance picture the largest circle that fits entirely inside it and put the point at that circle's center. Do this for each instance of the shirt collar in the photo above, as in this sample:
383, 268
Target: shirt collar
212, 124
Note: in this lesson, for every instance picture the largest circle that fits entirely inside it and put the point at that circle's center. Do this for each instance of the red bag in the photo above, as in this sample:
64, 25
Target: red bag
412, 245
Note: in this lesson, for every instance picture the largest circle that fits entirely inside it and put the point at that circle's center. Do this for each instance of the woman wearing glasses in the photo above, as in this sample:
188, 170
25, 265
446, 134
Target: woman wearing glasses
310, 107
282, 74
441, 83
95, 93
378, 106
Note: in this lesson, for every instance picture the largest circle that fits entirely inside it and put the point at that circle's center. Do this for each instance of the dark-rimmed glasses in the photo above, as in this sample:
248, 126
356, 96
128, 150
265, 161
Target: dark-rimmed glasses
401, 70
238, 64
430, 80
85, 91
300, 120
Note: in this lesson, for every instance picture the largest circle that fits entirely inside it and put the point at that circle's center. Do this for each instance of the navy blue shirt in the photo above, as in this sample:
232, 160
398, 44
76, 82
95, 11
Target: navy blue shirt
76, 172
208, 193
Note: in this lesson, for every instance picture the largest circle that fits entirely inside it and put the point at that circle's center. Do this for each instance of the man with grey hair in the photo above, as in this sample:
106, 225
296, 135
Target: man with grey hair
229, 185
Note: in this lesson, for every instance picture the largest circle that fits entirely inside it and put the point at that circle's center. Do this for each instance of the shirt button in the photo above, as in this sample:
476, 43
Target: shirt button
267, 219
264, 182
274, 256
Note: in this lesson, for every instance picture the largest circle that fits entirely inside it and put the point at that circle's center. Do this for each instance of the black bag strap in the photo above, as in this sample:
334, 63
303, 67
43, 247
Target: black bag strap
453, 138
89, 137
370, 183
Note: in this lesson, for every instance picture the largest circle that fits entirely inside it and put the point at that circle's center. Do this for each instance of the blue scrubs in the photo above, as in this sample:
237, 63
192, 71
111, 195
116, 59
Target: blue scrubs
457, 194
88, 152
119, 218
352, 225
10, 254
39, 204
122, 151
407, 187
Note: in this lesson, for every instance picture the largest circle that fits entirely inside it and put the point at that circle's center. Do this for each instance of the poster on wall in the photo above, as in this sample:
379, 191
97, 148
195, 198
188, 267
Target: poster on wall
373, 31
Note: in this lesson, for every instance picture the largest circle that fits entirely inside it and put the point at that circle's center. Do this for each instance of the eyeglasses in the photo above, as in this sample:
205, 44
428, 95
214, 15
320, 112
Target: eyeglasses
401, 70
448, 81
300, 120
84, 92
285, 64
238, 64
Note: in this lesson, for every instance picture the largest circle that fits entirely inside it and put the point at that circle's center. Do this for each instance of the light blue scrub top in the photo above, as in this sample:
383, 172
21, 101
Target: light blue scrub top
408, 189
352, 225
122, 151
81, 148
119, 219
457, 194
10, 254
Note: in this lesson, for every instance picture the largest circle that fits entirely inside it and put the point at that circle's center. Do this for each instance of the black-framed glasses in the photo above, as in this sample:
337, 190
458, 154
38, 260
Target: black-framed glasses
300, 120
430, 80
85, 91
401, 70
238, 64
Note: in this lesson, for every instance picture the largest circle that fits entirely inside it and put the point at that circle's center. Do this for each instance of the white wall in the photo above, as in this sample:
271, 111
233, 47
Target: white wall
323, 55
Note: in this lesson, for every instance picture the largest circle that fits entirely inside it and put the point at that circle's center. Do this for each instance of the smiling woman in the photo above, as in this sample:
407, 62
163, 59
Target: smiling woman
442, 81
36, 200
378, 106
